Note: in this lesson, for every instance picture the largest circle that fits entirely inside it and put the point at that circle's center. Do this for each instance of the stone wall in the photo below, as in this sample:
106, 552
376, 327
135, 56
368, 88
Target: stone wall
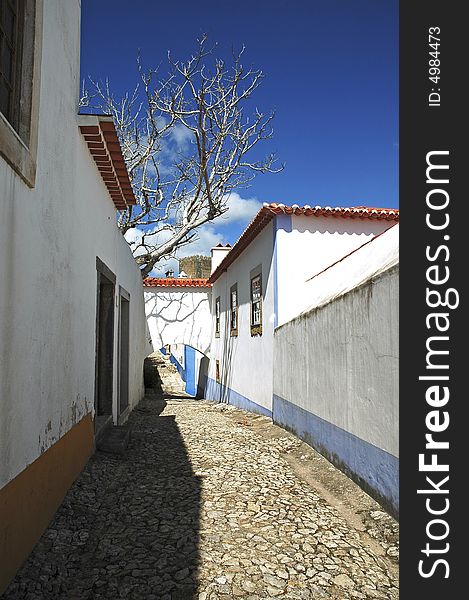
196, 266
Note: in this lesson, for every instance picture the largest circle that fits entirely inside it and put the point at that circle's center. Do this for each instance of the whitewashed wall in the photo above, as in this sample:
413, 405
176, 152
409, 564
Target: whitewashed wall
179, 316
305, 245
371, 258
241, 356
177, 350
336, 372
106, 241
49, 239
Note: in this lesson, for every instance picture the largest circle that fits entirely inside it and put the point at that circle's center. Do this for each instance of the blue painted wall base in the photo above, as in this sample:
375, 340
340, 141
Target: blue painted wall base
374, 469
220, 393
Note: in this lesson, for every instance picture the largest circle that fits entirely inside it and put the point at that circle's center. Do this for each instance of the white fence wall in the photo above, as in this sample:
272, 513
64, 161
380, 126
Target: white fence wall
336, 382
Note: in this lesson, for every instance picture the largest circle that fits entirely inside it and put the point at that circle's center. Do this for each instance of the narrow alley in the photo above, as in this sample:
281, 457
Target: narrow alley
211, 502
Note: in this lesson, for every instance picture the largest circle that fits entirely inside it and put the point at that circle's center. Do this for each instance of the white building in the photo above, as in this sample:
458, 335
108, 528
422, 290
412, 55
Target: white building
264, 282
261, 282
72, 320
336, 375
179, 321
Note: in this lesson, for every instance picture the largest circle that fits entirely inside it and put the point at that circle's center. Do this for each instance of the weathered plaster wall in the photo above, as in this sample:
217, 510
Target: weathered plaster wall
179, 316
336, 382
49, 239
239, 357
28, 502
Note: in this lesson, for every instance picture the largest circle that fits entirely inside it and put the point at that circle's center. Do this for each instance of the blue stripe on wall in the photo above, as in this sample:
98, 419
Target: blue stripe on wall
281, 222
372, 468
220, 393
189, 362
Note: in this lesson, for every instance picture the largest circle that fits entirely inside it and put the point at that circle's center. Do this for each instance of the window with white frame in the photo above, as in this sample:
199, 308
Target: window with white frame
256, 304
234, 310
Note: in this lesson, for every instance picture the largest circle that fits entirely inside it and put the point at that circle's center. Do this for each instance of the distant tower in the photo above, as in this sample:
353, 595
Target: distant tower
196, 266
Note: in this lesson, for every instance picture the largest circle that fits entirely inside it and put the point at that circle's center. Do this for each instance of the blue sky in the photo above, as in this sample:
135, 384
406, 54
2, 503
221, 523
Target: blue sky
331, 75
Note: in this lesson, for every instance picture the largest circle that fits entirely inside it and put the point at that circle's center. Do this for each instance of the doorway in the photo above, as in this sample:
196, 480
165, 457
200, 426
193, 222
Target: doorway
104, 345
124, 338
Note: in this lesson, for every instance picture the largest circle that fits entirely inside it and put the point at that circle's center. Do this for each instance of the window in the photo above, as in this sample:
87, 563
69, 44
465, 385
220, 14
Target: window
217, 317
11, 44
234, 310
256, 305
20, 33
217, 371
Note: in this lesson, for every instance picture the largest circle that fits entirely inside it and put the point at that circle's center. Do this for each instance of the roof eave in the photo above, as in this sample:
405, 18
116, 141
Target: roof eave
263, 217
176, 282
268, 211
103, 143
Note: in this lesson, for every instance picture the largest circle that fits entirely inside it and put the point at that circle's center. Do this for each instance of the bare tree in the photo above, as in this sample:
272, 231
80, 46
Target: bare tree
187, 144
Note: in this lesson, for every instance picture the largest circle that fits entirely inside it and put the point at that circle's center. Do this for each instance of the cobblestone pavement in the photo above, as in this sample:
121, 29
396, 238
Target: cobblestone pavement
163, 377
210, 502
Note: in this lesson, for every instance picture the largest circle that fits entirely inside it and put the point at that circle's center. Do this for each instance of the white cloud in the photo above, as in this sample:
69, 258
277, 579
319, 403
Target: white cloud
133, 238
173, 145
162, 267
239, 210
161, 121
207, 238
181, 136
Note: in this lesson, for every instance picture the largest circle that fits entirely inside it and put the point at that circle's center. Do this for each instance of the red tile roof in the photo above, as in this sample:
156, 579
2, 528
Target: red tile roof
176, 282
351, 212
103, 143
268, 211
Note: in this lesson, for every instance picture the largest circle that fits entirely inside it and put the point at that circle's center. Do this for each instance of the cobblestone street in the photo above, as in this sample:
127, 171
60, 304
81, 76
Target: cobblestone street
211, 502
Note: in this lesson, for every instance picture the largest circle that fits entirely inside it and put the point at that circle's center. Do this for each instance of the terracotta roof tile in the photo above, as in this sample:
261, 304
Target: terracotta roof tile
176, 282
268, 211
103, 143
351, 212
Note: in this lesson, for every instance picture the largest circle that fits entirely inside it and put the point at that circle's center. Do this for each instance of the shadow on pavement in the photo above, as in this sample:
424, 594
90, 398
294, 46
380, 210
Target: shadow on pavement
154, 385
128, 527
